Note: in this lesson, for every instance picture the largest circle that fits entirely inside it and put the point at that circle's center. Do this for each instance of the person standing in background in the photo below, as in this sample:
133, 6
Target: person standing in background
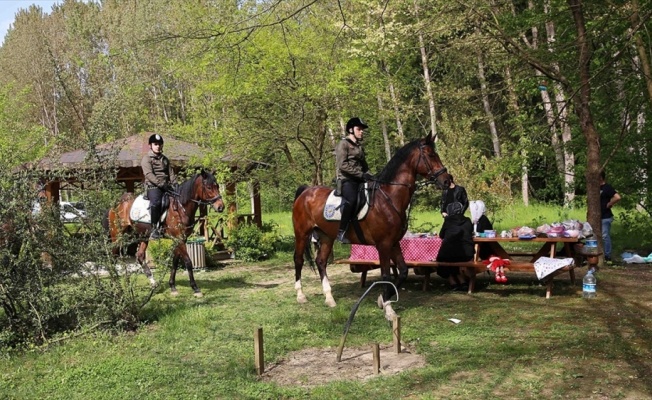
454, 194
608, 197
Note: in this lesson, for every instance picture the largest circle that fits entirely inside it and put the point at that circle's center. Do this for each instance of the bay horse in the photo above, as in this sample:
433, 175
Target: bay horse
383, 226
201, 189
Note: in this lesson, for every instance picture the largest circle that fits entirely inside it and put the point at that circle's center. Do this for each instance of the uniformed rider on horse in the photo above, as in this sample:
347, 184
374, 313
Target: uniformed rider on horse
159, 176
352, 171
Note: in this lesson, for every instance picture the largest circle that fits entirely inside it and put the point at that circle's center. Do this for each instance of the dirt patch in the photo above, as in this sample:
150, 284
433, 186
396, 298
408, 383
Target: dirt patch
314, 367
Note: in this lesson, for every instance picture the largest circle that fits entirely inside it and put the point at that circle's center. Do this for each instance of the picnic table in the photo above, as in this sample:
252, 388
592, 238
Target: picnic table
420, 253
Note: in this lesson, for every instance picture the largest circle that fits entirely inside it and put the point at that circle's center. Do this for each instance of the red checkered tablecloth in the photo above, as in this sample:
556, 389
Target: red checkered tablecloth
414, 249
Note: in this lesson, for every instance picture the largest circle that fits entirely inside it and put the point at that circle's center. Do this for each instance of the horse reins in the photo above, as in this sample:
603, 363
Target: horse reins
210, 201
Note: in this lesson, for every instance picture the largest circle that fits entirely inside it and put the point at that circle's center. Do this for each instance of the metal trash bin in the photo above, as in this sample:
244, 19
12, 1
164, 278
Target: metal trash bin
197, 252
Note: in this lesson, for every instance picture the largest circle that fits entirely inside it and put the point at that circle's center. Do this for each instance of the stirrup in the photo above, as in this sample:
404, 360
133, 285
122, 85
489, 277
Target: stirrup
156, 234
341, 238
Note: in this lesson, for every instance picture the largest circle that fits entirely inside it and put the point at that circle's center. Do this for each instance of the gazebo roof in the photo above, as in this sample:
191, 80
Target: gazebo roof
128, 153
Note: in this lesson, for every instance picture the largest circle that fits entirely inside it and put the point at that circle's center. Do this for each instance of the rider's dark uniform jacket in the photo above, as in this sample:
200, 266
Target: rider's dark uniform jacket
157, 170
350, 160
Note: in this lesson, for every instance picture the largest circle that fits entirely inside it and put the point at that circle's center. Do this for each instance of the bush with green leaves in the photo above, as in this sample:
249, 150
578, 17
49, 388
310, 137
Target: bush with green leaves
250, 243
53, 282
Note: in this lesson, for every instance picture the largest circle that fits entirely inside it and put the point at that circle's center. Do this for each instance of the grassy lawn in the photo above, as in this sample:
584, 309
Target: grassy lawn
511, 343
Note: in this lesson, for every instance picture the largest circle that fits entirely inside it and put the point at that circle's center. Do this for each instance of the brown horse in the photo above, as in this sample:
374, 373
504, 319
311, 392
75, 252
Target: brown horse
383, 226
179, 222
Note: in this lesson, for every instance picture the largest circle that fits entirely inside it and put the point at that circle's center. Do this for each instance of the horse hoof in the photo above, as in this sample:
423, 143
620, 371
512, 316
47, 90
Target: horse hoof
174, 293
198, 294
380, 301
330, 302
301, 299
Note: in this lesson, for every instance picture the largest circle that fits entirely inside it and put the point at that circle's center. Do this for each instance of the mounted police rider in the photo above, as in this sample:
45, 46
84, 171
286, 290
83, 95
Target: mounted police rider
352, 170
159, 176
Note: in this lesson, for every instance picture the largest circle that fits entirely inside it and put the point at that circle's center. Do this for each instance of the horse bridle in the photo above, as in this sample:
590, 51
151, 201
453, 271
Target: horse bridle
209, 201
432, 175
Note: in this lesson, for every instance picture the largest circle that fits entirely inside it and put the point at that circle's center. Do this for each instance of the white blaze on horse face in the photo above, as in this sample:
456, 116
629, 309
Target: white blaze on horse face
326, 286
301, 298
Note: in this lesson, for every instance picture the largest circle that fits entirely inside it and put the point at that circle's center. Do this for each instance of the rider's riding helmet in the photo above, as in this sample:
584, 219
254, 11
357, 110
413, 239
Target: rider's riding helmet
156, 138
353, 122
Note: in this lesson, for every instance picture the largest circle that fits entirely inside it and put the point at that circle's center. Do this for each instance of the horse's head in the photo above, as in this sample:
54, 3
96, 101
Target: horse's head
430, 165
209, 191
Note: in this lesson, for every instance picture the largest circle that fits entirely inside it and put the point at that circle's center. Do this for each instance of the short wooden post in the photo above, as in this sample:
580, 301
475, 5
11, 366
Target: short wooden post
376, 352
396, 330
258, 349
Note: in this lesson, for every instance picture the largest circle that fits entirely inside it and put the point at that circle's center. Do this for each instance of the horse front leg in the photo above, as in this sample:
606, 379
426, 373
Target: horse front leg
325, 248
141, 257
384, 301
183, 250
173, 275
385, 297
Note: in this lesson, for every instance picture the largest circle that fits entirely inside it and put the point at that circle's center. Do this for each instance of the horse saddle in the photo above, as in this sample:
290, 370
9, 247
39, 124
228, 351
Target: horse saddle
332, 208
139, 211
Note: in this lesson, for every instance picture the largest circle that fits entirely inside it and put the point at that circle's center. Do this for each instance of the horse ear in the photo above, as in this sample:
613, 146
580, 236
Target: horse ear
429, 138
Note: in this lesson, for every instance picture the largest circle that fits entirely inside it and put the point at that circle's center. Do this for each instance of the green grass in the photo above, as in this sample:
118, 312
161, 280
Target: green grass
512, 342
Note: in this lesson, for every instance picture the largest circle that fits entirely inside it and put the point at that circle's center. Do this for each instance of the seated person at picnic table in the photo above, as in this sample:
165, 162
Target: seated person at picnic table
457, 245
480, 224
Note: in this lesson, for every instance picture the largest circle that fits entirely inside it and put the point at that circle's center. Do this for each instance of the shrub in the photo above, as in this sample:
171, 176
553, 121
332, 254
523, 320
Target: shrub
249, 243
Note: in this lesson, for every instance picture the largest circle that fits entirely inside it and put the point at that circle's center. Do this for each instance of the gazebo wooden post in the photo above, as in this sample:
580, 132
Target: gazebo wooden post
232, 208
255, 203
52, 192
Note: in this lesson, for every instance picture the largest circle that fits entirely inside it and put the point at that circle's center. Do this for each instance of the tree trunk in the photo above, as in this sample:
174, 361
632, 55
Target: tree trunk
487, 106
514, 108
383, 126
583, 111
426, 77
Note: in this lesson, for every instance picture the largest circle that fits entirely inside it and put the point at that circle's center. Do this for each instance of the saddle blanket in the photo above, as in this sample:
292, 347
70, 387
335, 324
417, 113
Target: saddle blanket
140, 211
333, 205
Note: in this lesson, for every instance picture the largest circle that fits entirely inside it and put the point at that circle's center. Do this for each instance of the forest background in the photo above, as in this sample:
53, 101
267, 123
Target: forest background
528, 100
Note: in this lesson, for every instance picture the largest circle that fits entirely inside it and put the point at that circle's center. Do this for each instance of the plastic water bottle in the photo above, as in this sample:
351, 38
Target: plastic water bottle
589, 285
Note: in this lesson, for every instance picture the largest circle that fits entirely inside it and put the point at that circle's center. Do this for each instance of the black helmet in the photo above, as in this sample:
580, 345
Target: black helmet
156, 138
353, 122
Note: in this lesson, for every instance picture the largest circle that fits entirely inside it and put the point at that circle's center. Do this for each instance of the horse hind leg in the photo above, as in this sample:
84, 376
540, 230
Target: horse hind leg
299, 259
325, 249
141, 257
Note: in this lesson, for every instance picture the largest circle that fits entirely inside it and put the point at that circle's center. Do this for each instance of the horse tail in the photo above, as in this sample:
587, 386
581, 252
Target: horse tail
105, 222
307, 253
300, 190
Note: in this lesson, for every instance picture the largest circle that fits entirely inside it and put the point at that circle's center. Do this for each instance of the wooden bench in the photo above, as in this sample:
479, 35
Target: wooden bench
472, 268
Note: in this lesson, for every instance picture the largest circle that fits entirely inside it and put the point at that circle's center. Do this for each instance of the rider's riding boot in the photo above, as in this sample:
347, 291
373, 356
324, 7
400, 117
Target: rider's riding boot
156, 215
344, 222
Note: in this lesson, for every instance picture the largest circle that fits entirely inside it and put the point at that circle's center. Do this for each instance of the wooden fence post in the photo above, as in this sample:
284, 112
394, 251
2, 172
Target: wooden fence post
396, 330
376, 352
258, 349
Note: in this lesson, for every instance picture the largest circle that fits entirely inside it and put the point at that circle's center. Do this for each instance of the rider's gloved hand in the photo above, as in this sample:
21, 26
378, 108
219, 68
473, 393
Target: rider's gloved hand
368, 177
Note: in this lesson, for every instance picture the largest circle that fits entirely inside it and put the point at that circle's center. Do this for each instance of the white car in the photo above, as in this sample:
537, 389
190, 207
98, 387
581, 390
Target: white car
72, 212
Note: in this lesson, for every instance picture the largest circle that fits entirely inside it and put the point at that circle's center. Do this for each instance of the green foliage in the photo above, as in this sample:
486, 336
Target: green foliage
250, 243
56, 280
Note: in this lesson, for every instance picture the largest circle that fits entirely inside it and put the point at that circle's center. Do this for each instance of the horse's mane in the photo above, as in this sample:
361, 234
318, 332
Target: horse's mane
186, 190
388, 173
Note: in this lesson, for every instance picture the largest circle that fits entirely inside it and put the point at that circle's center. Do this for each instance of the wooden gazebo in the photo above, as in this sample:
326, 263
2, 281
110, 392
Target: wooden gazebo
127, 153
